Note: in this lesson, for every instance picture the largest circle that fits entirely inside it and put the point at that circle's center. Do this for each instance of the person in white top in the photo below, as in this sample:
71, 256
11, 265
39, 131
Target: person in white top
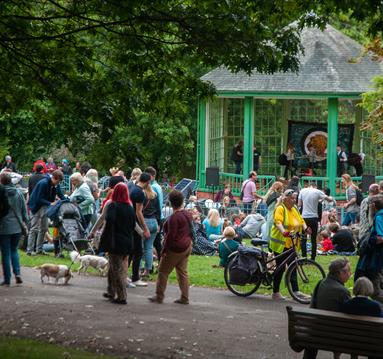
308, 200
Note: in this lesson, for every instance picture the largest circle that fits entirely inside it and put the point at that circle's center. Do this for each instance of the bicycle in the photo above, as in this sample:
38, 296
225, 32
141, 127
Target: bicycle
308, 272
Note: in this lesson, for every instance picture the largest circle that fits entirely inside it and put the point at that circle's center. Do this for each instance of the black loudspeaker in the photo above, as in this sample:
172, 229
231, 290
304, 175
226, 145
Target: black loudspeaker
367, 180
212, 176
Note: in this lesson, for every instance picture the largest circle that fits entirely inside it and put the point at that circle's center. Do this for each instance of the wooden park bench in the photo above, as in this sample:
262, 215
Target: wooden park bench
335, 332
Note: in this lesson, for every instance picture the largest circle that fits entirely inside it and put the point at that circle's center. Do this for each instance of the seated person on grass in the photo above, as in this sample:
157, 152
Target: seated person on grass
324, 240
227, 246
250, 226
342, 239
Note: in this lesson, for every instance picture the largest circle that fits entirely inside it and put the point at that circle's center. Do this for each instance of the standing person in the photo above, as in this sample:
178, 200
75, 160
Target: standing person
366, 216
160, 197
272, 199
312, 156
249, 190
286, 219
137, 196
351, 208
43, 195
308, 200
51, 166
117, 240
66, 168
83, 197
176, 251
35, 178
237, 156
8, 164
290, 157
11, 230
41, 162
370, 263
256, 159
134, 176
341, 161
152, 217
84, 168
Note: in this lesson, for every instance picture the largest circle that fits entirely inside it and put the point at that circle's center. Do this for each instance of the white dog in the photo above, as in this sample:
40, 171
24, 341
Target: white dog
99, 263
55, 271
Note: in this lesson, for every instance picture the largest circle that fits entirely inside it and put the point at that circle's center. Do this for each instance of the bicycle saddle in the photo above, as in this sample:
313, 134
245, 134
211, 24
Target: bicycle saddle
259, 242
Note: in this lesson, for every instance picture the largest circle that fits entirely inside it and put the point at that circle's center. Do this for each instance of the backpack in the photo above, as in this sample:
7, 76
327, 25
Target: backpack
359, 196
282, 160
4, 204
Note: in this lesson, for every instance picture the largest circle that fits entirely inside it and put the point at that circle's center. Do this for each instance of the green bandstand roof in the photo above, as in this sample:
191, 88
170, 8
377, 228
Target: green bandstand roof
331, 64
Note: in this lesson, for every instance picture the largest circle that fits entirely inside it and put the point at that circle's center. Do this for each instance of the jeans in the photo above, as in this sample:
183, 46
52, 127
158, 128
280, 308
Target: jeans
9, 254
247, 207
148, 242
349, 217
39, 226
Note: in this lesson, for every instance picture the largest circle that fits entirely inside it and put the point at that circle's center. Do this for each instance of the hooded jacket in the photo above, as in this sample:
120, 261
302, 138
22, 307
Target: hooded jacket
10, 224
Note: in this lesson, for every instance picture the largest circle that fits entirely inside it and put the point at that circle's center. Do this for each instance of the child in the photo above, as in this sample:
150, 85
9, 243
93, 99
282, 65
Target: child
325, 240
227, 246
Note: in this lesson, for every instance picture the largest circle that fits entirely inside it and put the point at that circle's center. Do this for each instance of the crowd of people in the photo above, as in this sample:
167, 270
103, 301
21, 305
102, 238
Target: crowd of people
136, 227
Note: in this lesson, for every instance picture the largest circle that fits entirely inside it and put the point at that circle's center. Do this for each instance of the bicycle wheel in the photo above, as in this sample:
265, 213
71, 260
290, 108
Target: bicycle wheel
307, 273
240, 290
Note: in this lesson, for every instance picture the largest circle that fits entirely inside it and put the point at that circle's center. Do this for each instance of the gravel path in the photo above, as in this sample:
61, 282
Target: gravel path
216, 324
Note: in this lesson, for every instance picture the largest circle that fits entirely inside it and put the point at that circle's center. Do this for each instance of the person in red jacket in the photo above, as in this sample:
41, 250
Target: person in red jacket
176, 250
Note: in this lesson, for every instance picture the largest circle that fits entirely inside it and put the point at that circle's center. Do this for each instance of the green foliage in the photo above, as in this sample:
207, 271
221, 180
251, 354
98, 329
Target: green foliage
372, 102
117, 82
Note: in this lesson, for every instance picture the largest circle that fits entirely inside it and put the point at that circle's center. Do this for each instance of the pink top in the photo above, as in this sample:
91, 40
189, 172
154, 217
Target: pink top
248, 189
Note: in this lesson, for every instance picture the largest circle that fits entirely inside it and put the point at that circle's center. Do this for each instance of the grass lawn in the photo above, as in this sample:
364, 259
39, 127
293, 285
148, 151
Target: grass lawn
201, 271
11, 348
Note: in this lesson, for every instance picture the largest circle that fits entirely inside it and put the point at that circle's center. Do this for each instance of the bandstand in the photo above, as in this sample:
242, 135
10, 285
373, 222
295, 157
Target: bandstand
317, 105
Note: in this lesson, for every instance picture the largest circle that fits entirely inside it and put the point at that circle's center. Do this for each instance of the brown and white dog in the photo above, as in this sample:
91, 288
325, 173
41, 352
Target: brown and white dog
99, 263
55, 271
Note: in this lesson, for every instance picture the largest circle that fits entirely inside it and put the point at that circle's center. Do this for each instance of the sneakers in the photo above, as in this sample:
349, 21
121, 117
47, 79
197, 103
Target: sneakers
301, 295
155, 299
4, 284
181, 301
18, 280
278, 297
140, 283
130, 285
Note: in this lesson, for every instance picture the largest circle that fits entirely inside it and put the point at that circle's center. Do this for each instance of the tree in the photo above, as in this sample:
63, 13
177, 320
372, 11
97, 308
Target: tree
122, 74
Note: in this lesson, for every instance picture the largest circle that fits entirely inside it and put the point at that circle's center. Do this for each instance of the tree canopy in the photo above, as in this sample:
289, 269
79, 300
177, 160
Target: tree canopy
118, 80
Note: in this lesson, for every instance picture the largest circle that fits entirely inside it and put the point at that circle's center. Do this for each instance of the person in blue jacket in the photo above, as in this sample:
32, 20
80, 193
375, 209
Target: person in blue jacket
42, 196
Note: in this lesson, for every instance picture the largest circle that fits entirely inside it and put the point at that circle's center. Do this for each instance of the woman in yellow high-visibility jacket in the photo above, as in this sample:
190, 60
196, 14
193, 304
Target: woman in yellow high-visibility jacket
286, 219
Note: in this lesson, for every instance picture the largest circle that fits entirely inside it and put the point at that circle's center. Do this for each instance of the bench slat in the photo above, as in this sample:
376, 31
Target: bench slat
335, 329
335, 348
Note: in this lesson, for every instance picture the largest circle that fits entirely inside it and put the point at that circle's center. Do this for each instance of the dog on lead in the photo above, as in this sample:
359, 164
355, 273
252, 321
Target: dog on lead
55, 271
98, 263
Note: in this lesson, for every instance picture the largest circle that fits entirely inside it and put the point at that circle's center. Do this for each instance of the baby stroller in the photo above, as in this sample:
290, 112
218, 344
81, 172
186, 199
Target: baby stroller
67, 218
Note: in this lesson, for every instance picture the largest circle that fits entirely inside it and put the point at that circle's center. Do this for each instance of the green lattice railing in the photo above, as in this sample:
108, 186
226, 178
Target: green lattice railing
235, 182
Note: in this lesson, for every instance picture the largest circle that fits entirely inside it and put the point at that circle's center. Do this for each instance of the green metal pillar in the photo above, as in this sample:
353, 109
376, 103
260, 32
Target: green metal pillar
248, 136
332, 130
201, 140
